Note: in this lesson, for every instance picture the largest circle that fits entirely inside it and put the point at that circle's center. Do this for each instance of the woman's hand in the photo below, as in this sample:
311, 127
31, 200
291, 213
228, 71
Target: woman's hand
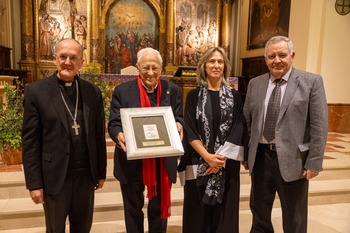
216, 162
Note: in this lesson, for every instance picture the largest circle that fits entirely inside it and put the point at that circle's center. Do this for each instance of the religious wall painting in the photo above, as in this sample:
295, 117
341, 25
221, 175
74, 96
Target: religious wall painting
267, 18
196, 30
58, 19
130, 26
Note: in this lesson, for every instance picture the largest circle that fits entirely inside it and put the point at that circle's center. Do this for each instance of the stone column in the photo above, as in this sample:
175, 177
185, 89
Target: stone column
27, 33
95, 47
170, 19
28, 56
226, 25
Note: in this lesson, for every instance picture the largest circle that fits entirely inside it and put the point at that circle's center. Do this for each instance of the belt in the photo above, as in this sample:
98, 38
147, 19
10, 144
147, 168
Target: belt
271, 146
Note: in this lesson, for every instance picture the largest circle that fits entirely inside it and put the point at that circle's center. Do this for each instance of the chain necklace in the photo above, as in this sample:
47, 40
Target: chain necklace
75, 126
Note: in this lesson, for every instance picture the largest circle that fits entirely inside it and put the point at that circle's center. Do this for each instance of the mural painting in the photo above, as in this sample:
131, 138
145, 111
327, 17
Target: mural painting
196, 30
60, 19
130, 26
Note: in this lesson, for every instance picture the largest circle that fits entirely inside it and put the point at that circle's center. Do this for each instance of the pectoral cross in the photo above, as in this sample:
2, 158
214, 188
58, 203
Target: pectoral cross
76, 127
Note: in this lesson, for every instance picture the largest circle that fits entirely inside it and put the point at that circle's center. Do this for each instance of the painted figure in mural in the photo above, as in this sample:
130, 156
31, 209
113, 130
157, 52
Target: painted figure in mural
80, 33
83, 20
43, 6
180, 39
202, 44
55, 35
191, 46
44, 36
117, 44
192, 41
126, 56
125, 47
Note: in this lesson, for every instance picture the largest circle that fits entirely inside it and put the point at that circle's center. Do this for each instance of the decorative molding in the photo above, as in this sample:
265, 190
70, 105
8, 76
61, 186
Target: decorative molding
27, 47
94, 49
169, 59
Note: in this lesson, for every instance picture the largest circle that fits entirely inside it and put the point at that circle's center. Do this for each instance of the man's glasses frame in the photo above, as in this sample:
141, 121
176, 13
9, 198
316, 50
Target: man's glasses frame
64, 58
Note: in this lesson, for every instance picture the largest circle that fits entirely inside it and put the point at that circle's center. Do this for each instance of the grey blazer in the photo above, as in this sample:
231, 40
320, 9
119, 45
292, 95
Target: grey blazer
302, 124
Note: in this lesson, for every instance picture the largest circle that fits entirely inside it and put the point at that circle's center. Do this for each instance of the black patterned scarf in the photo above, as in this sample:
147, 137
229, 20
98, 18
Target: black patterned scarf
212, 186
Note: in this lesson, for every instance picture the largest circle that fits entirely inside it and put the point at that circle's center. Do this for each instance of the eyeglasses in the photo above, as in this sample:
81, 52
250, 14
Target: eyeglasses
146, 69
64, 58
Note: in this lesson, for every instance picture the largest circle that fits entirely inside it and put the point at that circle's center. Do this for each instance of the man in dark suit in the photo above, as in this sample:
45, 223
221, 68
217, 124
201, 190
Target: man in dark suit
64, 147
284, 159
148, 90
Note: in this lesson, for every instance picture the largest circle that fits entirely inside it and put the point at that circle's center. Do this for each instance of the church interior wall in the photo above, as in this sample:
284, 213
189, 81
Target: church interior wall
320, 36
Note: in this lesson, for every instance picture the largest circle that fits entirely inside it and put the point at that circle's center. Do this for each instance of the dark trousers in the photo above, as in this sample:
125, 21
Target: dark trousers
75, 200
133, 199
266, 181
220, 218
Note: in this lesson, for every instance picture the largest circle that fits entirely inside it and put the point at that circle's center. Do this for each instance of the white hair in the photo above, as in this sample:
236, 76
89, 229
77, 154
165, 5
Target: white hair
148, 50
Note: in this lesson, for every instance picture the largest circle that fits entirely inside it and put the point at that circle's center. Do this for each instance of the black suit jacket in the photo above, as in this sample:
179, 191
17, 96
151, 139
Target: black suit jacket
127, 95
46, 134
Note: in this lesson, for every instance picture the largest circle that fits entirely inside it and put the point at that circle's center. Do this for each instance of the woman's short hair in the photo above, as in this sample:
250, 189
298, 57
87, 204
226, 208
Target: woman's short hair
201, 72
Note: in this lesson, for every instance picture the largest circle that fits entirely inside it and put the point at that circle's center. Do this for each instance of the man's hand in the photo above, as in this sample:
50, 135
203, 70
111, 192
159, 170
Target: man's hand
99, 184
180, 130
37, 196
245, 165
309, 174
121, 141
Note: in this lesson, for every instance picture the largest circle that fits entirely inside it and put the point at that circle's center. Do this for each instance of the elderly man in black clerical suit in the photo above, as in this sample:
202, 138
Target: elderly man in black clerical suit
64, 147
147, 90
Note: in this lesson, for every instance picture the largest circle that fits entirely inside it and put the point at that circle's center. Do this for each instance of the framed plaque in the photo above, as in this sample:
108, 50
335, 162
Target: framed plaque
150, 132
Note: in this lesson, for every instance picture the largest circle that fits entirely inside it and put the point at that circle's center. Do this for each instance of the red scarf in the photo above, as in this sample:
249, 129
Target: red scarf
149, 165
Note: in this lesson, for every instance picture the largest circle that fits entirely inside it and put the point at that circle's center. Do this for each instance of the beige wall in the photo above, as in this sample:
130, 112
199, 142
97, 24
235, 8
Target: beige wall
321, 41
335, 64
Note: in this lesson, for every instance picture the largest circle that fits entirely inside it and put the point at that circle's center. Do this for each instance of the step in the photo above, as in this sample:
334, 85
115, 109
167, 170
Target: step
330, 188
12, 184
22, 212
109, 206
332, 218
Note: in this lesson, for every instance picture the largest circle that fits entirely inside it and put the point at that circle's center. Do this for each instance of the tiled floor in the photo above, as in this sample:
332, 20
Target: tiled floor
330, 218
